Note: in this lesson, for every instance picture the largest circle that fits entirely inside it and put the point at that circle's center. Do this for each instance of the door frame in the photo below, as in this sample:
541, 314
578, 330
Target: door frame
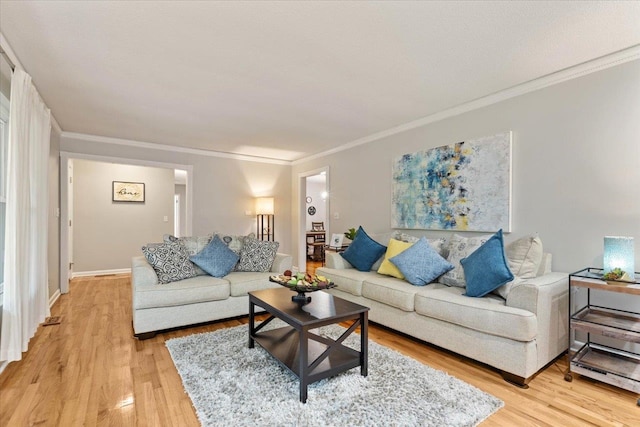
65, 157
302, 212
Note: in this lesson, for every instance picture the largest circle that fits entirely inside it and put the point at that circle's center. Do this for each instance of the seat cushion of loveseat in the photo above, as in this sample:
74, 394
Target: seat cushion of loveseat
187, 291
243, 282
487, 314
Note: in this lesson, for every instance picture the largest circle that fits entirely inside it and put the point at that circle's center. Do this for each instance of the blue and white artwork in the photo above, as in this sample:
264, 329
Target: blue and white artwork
464, 186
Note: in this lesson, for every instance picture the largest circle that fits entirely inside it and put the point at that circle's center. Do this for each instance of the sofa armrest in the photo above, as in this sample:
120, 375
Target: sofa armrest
281, 263
534, 294
335, 260
142, 273
548, 297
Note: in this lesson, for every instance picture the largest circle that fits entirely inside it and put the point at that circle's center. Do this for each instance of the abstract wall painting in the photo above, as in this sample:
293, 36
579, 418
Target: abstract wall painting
464, 186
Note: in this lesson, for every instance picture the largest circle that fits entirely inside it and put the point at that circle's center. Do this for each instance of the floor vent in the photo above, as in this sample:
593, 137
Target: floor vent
53, 320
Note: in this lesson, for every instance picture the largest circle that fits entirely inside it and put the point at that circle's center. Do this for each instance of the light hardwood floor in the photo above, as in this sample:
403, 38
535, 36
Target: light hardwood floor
89, 370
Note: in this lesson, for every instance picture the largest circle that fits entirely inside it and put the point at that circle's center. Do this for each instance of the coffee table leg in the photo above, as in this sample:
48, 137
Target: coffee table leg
304, 364
364, 344
251, 324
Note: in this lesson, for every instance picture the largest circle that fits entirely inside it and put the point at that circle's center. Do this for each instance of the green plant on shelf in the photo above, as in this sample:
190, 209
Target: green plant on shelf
351, 233
616, 274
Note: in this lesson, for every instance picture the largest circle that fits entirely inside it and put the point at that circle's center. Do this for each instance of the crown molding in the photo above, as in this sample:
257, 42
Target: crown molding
598, 64
163, 147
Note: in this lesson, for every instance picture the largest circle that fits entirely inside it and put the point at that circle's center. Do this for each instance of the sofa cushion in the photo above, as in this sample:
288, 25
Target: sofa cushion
394, 248
439, 243
421, 264
188, 291
244, 282
193, 245
348, 280
216, 258
486, 269
524, 256
387, 290
170, 261
460, 247
363, 252
488, 314
235, 242
257, 255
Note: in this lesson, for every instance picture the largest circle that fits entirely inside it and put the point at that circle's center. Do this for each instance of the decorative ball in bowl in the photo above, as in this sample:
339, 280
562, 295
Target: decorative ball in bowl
302, 283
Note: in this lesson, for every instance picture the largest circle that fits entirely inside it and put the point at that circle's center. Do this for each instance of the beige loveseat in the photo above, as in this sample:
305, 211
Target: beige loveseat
518, 336
195, 300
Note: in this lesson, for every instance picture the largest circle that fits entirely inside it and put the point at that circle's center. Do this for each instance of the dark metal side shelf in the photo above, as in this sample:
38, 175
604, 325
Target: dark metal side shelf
612, 366
608, 322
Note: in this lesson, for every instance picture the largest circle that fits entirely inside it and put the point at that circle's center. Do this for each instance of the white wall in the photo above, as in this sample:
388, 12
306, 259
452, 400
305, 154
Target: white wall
54, 216
223, 188
106, 234
576, 165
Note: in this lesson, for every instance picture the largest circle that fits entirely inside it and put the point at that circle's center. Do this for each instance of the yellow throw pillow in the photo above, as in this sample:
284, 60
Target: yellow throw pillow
395, 248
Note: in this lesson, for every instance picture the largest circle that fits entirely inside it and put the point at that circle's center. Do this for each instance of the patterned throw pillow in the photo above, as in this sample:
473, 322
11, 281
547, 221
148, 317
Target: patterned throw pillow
257, 255
460, 247
216, 258
363, 252
170, 261
437, 243
235, 243
193, 245
421, 264
486, 269
395, 247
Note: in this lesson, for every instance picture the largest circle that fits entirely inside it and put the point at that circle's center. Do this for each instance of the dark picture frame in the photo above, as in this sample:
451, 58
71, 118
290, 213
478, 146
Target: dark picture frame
125, 191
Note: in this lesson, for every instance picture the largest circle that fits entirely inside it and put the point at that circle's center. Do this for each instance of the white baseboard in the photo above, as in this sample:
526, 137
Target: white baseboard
53, 298
100, 272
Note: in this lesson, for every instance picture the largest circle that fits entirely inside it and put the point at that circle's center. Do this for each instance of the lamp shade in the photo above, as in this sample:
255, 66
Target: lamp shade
264, 206
618, 253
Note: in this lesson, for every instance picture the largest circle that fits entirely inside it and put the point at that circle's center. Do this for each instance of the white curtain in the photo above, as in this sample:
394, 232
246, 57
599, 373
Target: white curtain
26, 293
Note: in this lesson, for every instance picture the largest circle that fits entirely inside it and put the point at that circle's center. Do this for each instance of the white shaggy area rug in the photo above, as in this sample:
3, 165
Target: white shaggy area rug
233, 385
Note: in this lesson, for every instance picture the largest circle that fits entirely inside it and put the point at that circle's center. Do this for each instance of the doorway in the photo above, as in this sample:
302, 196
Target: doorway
314, 223
67, 197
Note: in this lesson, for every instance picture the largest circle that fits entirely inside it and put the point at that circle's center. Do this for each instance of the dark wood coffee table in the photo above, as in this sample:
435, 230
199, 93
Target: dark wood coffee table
307, 355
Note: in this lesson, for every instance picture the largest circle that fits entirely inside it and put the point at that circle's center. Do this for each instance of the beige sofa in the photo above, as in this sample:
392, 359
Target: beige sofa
195, 300
518, 336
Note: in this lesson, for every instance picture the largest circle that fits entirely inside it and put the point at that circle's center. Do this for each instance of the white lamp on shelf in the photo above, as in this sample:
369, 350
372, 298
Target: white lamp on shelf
618, 253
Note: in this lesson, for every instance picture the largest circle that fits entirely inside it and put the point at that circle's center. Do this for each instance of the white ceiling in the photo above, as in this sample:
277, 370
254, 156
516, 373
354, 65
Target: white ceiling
285, 80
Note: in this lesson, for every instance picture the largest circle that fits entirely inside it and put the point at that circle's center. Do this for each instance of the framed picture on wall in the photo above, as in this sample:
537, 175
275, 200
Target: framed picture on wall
336, 240
128, 191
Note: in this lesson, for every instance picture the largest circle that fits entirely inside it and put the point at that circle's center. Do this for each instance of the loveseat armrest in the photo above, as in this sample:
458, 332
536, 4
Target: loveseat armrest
335, 260
281, 263
142, 273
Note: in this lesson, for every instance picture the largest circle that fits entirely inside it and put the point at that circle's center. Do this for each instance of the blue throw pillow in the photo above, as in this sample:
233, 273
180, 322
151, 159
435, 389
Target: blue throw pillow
421, 264
216, 258
486, 269
363, 252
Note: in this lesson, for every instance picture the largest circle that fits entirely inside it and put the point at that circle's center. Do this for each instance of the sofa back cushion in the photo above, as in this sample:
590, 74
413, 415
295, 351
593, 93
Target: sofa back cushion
461, 247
